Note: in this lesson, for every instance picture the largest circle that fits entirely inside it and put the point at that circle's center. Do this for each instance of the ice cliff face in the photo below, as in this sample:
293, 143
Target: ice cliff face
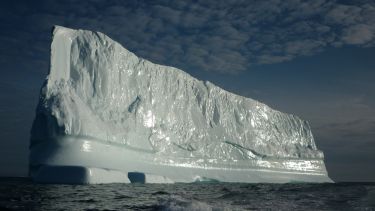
96, 89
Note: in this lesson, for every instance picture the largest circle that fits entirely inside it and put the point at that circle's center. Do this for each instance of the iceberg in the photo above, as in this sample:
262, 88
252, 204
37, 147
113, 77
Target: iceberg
105, 115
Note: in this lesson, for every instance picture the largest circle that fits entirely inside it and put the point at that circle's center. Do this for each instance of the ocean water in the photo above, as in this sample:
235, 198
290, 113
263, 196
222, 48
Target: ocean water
22, 194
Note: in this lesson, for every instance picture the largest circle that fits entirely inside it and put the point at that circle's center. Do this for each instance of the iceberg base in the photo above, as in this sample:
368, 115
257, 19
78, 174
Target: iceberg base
85, 160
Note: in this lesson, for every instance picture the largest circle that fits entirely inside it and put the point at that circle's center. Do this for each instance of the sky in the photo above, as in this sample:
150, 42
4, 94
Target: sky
315, 59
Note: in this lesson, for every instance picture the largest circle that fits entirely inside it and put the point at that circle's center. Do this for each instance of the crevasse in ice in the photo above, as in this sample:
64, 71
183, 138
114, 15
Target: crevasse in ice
102, 107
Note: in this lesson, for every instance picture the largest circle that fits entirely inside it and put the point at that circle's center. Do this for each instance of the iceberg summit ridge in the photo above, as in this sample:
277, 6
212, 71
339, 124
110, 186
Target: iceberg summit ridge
105, 115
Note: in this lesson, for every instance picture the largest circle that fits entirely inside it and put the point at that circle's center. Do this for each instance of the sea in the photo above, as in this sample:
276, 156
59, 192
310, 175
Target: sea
23, 194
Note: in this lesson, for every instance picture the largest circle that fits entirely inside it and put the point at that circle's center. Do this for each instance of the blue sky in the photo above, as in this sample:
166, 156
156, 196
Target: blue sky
314, 59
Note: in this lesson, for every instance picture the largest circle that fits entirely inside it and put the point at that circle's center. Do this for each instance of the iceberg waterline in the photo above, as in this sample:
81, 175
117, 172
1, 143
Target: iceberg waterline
105, 114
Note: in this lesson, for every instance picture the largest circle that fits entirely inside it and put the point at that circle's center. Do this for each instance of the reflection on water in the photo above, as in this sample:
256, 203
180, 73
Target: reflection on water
17, 194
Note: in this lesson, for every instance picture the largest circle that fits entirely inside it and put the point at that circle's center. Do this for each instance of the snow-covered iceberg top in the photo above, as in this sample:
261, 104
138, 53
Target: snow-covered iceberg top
98, 90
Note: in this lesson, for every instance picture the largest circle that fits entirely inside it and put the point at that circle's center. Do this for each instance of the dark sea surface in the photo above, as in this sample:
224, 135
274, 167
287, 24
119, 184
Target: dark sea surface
22, 194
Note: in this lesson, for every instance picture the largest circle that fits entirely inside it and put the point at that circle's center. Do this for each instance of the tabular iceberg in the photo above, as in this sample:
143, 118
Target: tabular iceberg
105, 115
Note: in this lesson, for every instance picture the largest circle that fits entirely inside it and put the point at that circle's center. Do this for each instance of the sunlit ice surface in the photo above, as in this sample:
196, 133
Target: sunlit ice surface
106, 115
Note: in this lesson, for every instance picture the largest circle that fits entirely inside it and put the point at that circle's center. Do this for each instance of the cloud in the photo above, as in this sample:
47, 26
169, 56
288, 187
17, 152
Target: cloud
358, 34
344, 14
270, 59
215, 36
